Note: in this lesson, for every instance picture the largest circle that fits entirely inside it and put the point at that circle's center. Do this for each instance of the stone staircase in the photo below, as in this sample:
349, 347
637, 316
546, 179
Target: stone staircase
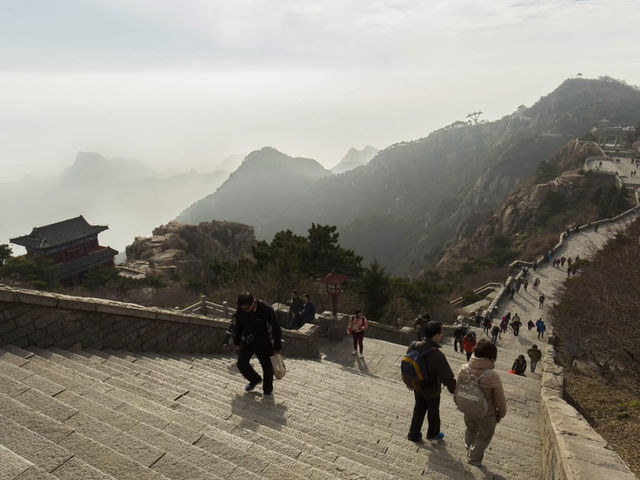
120, 415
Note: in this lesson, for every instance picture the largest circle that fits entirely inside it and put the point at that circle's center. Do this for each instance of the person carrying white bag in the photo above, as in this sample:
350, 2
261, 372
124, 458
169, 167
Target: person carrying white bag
257, 333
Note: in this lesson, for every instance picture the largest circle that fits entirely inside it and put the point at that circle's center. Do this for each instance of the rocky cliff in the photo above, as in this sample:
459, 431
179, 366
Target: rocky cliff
186, 248
534, 214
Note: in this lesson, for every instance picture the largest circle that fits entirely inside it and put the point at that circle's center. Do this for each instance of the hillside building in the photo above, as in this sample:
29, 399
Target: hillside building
71, 244
609, 135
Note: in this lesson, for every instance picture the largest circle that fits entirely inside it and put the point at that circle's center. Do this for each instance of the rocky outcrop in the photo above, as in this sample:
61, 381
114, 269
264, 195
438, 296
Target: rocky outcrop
176, 246
530, 213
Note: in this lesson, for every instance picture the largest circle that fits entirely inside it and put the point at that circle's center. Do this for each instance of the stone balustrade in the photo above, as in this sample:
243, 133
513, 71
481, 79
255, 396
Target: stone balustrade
42, 319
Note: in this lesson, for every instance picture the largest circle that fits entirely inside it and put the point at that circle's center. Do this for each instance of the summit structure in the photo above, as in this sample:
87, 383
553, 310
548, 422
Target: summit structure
71, 244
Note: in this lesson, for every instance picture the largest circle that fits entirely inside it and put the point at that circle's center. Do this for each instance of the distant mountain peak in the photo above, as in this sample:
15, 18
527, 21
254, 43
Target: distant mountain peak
89, 157
355, 158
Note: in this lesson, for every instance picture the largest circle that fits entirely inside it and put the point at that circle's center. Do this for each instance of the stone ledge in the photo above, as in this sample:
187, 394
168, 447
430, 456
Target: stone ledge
573, 450
65, 320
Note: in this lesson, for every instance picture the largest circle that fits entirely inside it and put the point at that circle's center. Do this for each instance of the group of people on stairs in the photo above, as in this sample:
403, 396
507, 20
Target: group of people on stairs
480, 370
256, 331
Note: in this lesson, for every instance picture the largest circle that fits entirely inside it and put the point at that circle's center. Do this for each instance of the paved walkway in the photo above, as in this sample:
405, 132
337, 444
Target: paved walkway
623, 167
515, 452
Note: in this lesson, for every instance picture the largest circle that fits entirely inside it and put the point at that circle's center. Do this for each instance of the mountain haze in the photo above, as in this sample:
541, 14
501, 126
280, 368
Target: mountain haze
409, 201
126, 195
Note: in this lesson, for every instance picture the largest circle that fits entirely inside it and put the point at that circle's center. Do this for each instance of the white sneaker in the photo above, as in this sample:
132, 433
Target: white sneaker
362, 355
354, 352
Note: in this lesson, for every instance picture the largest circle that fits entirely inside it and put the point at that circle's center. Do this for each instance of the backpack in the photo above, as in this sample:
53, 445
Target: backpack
413, 367
468, 396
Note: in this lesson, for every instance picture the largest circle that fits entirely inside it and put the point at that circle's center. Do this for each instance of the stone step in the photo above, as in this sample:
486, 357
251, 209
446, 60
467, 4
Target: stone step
31, 446
53, 431
401, 430
16, 467
404, 441
184, 416
97, 431
39, 431
126, 444
70, 357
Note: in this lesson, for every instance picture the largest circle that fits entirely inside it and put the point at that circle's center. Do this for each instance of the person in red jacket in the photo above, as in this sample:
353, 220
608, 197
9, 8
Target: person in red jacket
468, 344
356, 327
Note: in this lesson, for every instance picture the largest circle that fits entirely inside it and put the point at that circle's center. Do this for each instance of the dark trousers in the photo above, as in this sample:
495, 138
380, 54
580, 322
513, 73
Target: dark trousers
469, 355
456, 342
516, 331
247, 371
357, 340
430, 407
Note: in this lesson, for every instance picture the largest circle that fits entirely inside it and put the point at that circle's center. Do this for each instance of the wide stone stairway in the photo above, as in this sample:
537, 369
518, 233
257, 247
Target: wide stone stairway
119, 415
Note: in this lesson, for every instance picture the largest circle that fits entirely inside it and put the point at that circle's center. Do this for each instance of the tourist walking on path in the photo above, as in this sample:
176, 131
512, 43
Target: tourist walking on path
540, 327
541, 300
495, 332
516, 324
486, 324
534, 355
356, 327
427, 400
519, 366
480, 429
530, 324
458, 334
469, 343
257, 332
504, 324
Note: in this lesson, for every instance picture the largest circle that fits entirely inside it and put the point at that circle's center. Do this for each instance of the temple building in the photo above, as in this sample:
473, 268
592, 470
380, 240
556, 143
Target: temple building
608, 135
72, 245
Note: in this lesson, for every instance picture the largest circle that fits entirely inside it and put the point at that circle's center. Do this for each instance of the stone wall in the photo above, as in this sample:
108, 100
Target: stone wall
30, 317
573, 450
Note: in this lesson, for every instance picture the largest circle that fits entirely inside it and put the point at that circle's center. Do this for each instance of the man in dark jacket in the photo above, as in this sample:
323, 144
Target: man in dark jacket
294, 310
308, 314
257, 332
427, 401
458, 335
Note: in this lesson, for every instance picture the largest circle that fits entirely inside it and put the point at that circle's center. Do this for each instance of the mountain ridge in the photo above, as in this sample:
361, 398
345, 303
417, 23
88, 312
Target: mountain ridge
410, 199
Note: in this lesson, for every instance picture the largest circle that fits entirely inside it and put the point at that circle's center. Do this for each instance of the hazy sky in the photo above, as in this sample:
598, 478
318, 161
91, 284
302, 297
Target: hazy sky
177, 84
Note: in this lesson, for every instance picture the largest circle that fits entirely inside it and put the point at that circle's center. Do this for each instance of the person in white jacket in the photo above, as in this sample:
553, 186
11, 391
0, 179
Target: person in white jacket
480, 429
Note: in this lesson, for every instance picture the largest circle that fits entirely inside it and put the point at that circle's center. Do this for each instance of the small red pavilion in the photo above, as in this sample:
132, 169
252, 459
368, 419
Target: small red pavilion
72, 245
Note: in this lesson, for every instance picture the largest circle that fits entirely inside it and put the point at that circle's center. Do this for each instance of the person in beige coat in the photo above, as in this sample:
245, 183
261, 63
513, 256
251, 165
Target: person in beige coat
480, 430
